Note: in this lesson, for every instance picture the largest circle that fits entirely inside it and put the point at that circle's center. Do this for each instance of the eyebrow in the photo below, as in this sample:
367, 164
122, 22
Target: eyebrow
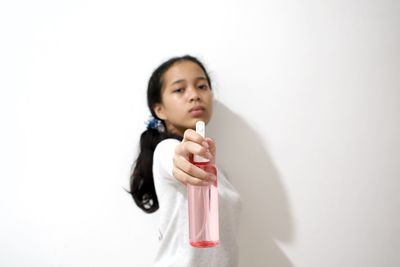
182, 80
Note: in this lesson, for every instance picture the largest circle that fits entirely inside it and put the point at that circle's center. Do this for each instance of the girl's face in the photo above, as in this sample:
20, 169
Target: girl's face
186, 97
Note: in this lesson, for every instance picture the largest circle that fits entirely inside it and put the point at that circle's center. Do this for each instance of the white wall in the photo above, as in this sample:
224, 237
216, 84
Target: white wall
307, 124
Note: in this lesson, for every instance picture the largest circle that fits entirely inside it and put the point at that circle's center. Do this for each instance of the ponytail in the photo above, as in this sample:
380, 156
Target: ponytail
141, 180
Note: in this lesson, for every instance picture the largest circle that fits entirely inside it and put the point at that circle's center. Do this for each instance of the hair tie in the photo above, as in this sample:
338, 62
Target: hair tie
154, 123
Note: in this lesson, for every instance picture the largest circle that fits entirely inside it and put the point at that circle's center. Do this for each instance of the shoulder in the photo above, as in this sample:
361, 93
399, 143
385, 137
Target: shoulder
165, 149
166, 146
163, 158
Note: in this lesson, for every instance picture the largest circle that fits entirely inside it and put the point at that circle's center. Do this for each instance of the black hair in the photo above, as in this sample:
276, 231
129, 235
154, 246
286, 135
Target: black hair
141, 179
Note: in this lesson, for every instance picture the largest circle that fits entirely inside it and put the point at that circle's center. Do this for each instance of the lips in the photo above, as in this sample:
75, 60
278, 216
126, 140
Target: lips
197, 108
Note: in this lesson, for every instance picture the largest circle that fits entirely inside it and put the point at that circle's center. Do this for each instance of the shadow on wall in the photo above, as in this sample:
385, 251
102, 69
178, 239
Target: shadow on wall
265, 215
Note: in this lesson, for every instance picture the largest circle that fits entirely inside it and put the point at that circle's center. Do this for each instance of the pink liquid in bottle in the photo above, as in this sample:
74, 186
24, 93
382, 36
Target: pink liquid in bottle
203, 205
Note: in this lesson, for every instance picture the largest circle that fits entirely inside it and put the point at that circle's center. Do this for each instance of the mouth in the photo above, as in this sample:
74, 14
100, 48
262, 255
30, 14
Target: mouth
197, 111
196, 108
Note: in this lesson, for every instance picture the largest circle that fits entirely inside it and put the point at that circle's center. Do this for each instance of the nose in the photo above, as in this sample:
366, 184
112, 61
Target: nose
193, 94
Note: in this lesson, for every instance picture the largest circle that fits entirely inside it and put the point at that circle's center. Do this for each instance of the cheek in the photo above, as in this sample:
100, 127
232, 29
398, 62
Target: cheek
173, 106
173, 102
209, 98
169, 100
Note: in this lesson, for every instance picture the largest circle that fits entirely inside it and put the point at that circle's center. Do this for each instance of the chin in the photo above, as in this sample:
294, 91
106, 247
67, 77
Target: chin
206, 119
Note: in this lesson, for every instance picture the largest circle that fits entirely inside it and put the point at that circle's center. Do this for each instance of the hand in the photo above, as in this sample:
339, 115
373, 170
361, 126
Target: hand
186, 172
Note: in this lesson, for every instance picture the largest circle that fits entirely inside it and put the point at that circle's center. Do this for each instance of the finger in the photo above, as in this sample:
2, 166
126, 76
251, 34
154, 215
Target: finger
185, 178
192, 135
187, 148
211, 145
182, 164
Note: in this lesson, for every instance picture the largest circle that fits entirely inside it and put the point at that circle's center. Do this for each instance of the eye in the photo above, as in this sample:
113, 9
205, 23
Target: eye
203, 86
179, 90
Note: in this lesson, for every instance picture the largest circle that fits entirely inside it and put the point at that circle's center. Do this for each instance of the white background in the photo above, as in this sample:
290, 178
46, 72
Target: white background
307, 123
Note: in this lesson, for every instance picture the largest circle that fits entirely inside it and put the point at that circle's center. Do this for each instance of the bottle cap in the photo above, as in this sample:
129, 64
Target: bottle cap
200, 129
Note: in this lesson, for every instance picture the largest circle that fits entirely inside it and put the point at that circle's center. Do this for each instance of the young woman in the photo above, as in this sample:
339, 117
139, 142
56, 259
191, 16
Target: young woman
179, 94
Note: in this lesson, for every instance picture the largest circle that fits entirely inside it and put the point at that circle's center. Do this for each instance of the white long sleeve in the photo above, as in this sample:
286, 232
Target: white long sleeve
174, 249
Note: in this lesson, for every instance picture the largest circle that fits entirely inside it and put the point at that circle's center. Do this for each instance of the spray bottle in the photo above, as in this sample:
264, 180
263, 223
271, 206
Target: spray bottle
203, 204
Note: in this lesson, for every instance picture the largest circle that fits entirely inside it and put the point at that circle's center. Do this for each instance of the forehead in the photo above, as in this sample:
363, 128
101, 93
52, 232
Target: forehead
184, 70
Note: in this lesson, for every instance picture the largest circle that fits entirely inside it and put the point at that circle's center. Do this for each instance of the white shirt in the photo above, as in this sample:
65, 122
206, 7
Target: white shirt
174, 248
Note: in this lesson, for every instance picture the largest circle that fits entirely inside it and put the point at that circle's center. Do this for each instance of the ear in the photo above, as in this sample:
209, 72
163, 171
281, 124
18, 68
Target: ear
160, 111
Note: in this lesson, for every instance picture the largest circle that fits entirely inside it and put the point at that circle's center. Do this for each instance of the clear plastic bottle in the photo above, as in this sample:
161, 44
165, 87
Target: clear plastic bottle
203, 204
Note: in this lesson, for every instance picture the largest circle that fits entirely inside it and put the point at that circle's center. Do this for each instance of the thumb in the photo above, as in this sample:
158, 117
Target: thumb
211, 146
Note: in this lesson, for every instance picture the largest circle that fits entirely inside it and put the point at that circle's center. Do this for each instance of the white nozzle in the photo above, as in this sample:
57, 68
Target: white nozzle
200, 129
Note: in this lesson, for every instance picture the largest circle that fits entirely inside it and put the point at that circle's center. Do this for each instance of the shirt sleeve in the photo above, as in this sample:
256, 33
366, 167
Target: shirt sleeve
163, 159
